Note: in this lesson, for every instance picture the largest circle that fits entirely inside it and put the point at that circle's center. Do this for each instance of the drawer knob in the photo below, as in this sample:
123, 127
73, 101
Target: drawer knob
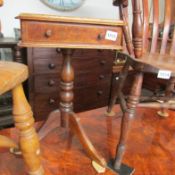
51, 101
99, 93
48, 33
51, 66
101, 77
58, 50
103, 62
51, 83
99, 37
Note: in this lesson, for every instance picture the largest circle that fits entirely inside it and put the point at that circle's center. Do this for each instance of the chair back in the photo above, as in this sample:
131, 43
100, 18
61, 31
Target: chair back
152, 30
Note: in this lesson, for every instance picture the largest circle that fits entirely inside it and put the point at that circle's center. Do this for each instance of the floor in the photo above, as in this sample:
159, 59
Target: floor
151, 146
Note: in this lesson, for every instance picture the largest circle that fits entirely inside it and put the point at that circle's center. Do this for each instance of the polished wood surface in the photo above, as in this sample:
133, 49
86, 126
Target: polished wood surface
69, 32
150, 145
11, 74
56, 18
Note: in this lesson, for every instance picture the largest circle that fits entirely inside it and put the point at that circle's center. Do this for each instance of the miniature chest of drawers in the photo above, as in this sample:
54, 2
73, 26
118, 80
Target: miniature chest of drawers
92, 79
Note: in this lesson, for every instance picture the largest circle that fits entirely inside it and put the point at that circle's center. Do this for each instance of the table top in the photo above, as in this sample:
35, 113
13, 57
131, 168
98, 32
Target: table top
66, 19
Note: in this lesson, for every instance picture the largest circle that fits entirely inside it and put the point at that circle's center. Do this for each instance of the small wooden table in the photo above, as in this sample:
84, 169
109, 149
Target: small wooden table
69, 33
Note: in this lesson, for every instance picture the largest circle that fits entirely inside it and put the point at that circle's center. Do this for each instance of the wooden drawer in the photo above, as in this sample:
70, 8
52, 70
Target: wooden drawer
45, 53
70, 35
48, 65
50, 83
85, 99
94, 78
45, 103
92, 97
46, 83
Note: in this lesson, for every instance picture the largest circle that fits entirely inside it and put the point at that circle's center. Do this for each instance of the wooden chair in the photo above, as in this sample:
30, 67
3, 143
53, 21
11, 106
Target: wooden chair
11, 76
146, 54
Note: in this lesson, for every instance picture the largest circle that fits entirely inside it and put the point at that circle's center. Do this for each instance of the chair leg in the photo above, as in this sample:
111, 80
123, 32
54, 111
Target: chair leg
168, 93
128, 115
122, 78
28, 139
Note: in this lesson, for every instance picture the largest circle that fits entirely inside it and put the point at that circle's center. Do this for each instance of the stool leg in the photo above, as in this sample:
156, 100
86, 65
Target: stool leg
128, 115
28, 140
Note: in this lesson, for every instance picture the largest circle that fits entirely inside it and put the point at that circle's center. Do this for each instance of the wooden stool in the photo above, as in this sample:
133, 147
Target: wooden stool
11, 77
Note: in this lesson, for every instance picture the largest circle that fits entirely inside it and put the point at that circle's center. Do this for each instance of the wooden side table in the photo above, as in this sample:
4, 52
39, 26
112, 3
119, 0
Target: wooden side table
69, 34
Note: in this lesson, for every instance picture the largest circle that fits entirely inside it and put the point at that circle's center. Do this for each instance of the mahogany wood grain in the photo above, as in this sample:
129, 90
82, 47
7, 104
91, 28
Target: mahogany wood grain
150, 145
69, 32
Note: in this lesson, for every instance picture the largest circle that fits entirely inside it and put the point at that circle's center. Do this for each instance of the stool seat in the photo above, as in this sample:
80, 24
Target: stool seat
11, 75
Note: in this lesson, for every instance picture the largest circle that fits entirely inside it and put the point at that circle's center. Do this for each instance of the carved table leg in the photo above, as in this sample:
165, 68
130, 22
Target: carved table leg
66, 87
28, 140
68, 118
126, 122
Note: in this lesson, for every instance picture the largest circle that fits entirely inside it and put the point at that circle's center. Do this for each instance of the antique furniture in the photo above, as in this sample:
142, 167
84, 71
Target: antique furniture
11, 76
144, 56
68, 34
5, 99
43, 84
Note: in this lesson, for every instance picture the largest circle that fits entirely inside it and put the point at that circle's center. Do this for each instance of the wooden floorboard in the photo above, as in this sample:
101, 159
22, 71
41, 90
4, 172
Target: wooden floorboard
151, 146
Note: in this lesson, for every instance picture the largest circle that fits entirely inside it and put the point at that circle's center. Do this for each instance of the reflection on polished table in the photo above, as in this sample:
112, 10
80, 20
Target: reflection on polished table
150, 146
70, 33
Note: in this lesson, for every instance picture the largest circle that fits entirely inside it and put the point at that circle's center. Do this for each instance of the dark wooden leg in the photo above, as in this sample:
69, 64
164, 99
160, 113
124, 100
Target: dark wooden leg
28, 140
66, 87
60, 117
77, 129
132, 102
68, 118
114, 96
17, 54
163, 112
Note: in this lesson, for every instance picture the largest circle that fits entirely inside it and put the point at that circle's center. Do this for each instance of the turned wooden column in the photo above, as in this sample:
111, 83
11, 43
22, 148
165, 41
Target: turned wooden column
137, 29
28, 140
66, 87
